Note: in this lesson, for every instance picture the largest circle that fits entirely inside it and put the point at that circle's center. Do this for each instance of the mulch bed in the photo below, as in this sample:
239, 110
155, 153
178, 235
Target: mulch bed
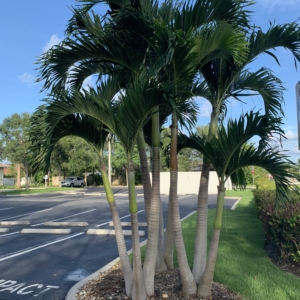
110, 284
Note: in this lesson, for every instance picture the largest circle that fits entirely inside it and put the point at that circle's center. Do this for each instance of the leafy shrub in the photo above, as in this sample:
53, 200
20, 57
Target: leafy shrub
263, 183
98, 179
281, 223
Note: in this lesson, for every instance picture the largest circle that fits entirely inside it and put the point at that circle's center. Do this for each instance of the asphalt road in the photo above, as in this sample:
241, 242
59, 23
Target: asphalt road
46, 266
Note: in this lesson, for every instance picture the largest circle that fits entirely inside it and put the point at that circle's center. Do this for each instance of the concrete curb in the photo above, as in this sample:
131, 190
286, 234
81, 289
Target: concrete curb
46, 231
236, 202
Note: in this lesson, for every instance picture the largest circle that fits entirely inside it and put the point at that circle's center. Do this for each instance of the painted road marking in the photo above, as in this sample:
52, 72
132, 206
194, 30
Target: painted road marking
184, 197
21, 252
6, 208
11, 223
12, 286
120, 219
66, 224
112, 232
46, 231
65, 217
9, 233
142, 224
26, 214
4, 230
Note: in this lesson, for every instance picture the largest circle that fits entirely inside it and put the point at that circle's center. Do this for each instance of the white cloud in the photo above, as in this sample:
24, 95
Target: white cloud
204, 107
54, 40
28, 78
276, 3
290, 135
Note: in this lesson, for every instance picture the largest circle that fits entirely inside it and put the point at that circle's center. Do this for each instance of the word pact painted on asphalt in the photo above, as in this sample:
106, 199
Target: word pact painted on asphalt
21, 288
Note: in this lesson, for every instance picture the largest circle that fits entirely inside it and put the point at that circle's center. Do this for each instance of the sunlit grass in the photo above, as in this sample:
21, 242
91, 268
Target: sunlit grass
36, 191
242, 263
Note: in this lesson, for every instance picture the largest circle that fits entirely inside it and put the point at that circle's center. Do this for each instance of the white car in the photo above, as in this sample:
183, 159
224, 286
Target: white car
73, 181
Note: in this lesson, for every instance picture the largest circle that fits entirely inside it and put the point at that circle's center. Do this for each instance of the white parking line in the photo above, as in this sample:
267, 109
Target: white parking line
120, 219
25, 214
65, 217
10, 233
38, 247
184, 197
6, 208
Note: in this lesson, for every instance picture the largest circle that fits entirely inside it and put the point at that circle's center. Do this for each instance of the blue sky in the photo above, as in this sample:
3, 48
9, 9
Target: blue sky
31, 27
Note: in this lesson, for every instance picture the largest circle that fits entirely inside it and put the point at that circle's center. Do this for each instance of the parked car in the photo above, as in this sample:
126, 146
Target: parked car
73, 181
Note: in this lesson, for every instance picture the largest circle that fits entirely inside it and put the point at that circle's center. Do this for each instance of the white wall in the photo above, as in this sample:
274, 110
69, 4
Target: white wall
188, 183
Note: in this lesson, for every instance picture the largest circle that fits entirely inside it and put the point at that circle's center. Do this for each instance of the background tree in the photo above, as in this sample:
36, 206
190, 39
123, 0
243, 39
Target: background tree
15, 141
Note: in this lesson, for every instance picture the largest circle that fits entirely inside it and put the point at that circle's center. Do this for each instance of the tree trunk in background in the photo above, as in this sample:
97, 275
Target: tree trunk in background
18, 183
26, 176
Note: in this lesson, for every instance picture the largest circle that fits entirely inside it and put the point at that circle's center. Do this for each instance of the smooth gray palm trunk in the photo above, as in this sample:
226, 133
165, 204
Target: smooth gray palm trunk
188, 284
153, 226
200, 250
169, 237
160, 262
204, 287
138, 289
122, 249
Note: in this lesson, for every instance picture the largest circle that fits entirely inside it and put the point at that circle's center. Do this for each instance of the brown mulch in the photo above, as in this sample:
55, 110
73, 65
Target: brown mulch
110, 284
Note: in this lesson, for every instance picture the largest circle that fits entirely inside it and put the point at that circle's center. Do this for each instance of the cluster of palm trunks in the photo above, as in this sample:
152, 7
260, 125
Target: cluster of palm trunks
151, 61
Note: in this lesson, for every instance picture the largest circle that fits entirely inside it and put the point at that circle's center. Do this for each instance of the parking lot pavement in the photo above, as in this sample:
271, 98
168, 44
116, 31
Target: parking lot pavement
46, 266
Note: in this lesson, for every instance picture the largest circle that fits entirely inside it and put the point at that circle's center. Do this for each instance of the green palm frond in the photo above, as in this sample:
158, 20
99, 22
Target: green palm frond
287, 36
45, 136
265, 84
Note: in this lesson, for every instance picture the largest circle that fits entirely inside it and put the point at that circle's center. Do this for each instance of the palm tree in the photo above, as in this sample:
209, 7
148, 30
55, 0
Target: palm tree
45, 136
225, 80
228, 153
96, 48
125, 120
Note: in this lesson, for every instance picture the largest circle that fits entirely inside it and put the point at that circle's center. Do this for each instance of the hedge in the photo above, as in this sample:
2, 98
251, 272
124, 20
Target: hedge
281, 222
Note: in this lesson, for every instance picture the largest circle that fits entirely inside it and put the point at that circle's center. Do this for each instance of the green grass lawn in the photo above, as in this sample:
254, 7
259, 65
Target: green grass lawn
242, 263
35, 191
